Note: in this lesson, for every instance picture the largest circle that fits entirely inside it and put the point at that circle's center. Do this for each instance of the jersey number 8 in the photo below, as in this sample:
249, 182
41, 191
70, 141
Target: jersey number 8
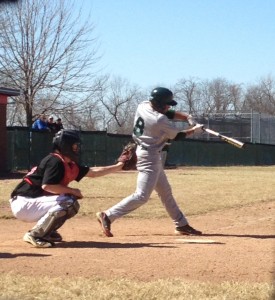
139, 127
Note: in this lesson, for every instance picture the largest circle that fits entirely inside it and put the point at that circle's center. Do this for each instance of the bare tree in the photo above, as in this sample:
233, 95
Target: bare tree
187, 92
202, 97
119, 101
88, 114
219, 96
236, 96
260, 97
47, 54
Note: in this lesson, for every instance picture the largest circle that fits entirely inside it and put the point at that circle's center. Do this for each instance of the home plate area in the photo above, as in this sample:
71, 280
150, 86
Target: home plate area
197, 241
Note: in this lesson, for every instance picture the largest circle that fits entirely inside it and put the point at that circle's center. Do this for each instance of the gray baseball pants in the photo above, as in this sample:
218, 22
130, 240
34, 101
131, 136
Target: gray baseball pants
151, 176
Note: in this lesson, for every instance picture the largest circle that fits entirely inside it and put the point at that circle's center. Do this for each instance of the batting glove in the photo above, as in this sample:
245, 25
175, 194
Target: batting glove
190, 120
198, 128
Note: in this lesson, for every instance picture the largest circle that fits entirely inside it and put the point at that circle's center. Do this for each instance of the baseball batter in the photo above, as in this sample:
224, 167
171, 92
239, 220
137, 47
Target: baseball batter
43, 196
152, 130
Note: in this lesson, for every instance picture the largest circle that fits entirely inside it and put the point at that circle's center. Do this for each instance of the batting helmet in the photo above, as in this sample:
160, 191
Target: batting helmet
160, 97
64, 140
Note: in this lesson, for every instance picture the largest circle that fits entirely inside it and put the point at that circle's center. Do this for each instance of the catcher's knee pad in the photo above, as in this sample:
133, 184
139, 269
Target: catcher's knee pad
52, 221
73, 209
70, 204
56, 219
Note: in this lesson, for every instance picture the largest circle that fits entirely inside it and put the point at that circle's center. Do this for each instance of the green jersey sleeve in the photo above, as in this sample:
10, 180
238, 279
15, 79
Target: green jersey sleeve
170, 114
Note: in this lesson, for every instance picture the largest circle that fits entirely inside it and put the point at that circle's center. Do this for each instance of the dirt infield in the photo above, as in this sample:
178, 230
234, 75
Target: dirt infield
242, 248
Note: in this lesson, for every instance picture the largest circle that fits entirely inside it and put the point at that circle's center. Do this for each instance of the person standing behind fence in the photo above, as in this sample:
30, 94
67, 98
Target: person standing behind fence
58, 124
51, 125
41, 123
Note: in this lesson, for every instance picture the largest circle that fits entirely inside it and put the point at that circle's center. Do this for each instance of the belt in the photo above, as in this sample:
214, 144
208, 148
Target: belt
146, 149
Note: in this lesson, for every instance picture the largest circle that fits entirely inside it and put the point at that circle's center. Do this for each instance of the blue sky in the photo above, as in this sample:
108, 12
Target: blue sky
159, 42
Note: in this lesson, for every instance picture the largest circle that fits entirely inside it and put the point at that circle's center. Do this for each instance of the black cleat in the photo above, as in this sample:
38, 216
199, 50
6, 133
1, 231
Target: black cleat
105, 223
54, 236
187, 230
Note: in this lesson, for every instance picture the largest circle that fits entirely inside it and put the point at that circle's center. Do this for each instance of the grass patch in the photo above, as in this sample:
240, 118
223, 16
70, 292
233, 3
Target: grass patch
196, 190
27, 288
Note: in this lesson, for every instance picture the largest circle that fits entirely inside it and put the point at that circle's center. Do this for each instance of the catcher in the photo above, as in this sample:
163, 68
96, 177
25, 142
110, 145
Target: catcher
43, 196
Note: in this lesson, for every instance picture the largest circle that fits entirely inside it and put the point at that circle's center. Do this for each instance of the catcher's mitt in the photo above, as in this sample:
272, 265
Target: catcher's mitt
128, 157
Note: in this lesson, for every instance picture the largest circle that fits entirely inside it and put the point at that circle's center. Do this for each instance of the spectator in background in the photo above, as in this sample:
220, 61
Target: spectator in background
58, 125
51, 124
41, 123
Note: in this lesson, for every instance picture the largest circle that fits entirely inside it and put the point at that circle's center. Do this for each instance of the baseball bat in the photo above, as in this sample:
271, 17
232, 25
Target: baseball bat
225, 138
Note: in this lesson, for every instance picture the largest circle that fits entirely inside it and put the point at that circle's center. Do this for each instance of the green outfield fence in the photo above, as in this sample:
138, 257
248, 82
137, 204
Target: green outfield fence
26, 148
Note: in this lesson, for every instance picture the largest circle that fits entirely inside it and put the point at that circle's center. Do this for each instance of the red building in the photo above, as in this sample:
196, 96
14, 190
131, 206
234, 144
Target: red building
4, 94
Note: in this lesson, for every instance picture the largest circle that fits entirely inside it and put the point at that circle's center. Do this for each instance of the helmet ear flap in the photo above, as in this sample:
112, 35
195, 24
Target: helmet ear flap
158, 105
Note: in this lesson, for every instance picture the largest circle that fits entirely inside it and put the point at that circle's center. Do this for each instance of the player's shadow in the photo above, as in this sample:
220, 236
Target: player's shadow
14, 255
93, 244
253, 236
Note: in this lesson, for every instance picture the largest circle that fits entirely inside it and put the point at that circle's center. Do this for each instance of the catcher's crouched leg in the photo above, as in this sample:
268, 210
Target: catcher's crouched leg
40, 235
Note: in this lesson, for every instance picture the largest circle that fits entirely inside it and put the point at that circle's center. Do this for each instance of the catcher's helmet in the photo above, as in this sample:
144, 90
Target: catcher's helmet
160, 97
64, 140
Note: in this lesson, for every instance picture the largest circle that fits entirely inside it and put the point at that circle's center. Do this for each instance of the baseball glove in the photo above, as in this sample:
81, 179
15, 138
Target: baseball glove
128, 157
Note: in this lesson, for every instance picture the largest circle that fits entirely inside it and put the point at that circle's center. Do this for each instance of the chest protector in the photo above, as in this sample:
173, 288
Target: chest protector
71, 170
